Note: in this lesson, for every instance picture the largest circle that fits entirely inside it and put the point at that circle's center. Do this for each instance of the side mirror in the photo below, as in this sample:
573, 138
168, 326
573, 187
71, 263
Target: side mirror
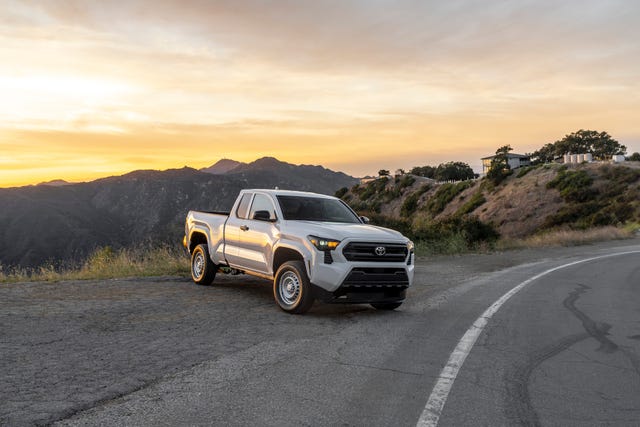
364, 220
262, 216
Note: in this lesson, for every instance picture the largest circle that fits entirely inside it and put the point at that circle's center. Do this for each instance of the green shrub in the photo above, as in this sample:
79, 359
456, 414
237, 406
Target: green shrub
410, 204
406, 181
472, 204
574, 186
357, 190
525, 170
374, 188
400, 225
471, 229
444, 195
615, 213
497, 174
389, 195
452, 235
341, 192
449, 245
620, 174
575, 213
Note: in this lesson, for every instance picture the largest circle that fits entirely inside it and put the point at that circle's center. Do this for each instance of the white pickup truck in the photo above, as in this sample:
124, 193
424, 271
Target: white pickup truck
312, 246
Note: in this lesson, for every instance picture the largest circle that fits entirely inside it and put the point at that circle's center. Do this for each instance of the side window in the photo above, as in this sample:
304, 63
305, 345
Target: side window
243, 206
262, 203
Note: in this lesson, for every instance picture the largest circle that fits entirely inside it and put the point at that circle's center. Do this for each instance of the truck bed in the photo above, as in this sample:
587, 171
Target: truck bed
213, 212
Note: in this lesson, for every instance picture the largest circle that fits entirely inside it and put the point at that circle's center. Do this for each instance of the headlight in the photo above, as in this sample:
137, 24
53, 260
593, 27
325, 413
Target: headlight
323, 244
410, 246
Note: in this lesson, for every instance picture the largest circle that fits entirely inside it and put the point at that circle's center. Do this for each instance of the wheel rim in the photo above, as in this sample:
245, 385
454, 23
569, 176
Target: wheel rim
198, 265
289, 288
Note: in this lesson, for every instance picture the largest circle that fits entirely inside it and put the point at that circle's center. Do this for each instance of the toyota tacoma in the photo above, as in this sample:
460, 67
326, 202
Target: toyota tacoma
311, 246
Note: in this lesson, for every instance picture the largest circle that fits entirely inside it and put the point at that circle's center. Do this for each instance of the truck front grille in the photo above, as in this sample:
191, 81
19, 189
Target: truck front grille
375, 252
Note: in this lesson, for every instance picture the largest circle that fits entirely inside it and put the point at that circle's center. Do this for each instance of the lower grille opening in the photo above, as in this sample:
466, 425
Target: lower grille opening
369, 294
376, 277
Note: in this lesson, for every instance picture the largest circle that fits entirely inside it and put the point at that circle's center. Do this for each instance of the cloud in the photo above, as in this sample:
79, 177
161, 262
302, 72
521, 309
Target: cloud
470, 46
367, 80
365, 35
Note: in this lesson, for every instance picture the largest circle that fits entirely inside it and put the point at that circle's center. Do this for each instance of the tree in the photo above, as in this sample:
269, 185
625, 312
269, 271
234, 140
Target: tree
600, 144
454, 171
426, 171
635, 157
546, 154
500, 168
383, 172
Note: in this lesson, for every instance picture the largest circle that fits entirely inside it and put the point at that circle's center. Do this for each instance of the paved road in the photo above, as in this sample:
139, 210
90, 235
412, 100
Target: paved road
564, 350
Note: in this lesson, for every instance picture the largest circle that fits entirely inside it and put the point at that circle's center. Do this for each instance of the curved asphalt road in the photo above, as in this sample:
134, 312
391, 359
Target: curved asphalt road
563, 351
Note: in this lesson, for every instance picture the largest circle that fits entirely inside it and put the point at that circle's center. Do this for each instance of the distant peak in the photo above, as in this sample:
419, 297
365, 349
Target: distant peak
222, 166
55, 183
268, 161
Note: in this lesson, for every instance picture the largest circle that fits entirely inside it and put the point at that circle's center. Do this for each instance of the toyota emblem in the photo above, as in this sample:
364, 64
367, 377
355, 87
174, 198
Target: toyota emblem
381, 250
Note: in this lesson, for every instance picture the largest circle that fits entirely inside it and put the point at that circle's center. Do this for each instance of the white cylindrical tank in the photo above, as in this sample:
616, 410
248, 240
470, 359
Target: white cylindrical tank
574, 158
580, 158
567, 158
588, 157
617, 158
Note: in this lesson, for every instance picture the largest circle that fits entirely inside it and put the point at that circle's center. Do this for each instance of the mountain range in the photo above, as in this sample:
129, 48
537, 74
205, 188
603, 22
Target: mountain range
58, 222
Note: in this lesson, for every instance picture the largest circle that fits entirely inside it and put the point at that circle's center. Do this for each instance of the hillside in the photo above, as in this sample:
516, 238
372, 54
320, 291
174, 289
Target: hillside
64, 223
530, 201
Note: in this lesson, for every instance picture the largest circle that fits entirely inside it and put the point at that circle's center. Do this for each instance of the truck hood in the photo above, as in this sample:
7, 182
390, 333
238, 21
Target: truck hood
341, 231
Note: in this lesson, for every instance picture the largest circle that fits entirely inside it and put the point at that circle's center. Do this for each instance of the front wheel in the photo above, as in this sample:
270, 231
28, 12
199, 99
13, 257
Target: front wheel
292, 288
386, 305
203, 270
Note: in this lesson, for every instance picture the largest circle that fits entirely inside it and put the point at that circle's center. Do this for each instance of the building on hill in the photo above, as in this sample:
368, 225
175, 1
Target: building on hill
514, 160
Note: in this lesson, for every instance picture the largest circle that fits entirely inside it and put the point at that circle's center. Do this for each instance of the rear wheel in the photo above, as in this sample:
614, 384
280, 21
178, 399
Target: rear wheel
203, 270
386, 305
292, 288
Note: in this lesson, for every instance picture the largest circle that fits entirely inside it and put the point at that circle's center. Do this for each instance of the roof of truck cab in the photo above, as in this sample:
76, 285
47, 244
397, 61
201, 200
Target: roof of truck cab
286, 193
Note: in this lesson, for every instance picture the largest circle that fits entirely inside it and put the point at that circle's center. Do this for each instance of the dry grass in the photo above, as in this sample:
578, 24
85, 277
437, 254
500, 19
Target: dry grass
106, 263
451, 245
569, 237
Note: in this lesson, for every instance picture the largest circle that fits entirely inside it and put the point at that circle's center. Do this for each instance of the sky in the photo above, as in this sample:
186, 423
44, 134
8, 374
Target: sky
96, 88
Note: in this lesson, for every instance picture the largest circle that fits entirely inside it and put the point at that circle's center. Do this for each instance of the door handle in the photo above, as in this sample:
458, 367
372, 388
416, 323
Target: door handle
244, 228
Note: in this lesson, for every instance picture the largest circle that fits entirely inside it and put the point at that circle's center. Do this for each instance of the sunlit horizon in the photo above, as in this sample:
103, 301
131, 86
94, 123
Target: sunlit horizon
95, 89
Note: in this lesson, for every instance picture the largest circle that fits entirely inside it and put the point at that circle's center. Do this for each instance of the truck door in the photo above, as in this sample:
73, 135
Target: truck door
236, 219
257, 234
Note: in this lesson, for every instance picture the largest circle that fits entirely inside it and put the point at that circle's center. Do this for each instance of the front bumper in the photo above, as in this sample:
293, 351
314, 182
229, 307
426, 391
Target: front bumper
359, 281
373, 294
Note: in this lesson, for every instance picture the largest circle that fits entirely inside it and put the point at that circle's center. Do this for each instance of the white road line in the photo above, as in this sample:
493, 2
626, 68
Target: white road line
432, 410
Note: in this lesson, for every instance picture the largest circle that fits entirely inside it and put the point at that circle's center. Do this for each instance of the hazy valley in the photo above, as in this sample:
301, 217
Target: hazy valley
64, 223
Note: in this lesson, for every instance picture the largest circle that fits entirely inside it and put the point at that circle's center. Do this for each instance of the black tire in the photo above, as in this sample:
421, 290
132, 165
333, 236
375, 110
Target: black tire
203, 270
292, 288
386, 305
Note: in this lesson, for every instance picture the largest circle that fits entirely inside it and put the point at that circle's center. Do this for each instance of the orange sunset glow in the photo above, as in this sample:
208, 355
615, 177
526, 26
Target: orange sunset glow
98, 88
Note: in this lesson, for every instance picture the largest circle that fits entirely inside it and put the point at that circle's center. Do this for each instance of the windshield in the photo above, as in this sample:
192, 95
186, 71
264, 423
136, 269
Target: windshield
316, 209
